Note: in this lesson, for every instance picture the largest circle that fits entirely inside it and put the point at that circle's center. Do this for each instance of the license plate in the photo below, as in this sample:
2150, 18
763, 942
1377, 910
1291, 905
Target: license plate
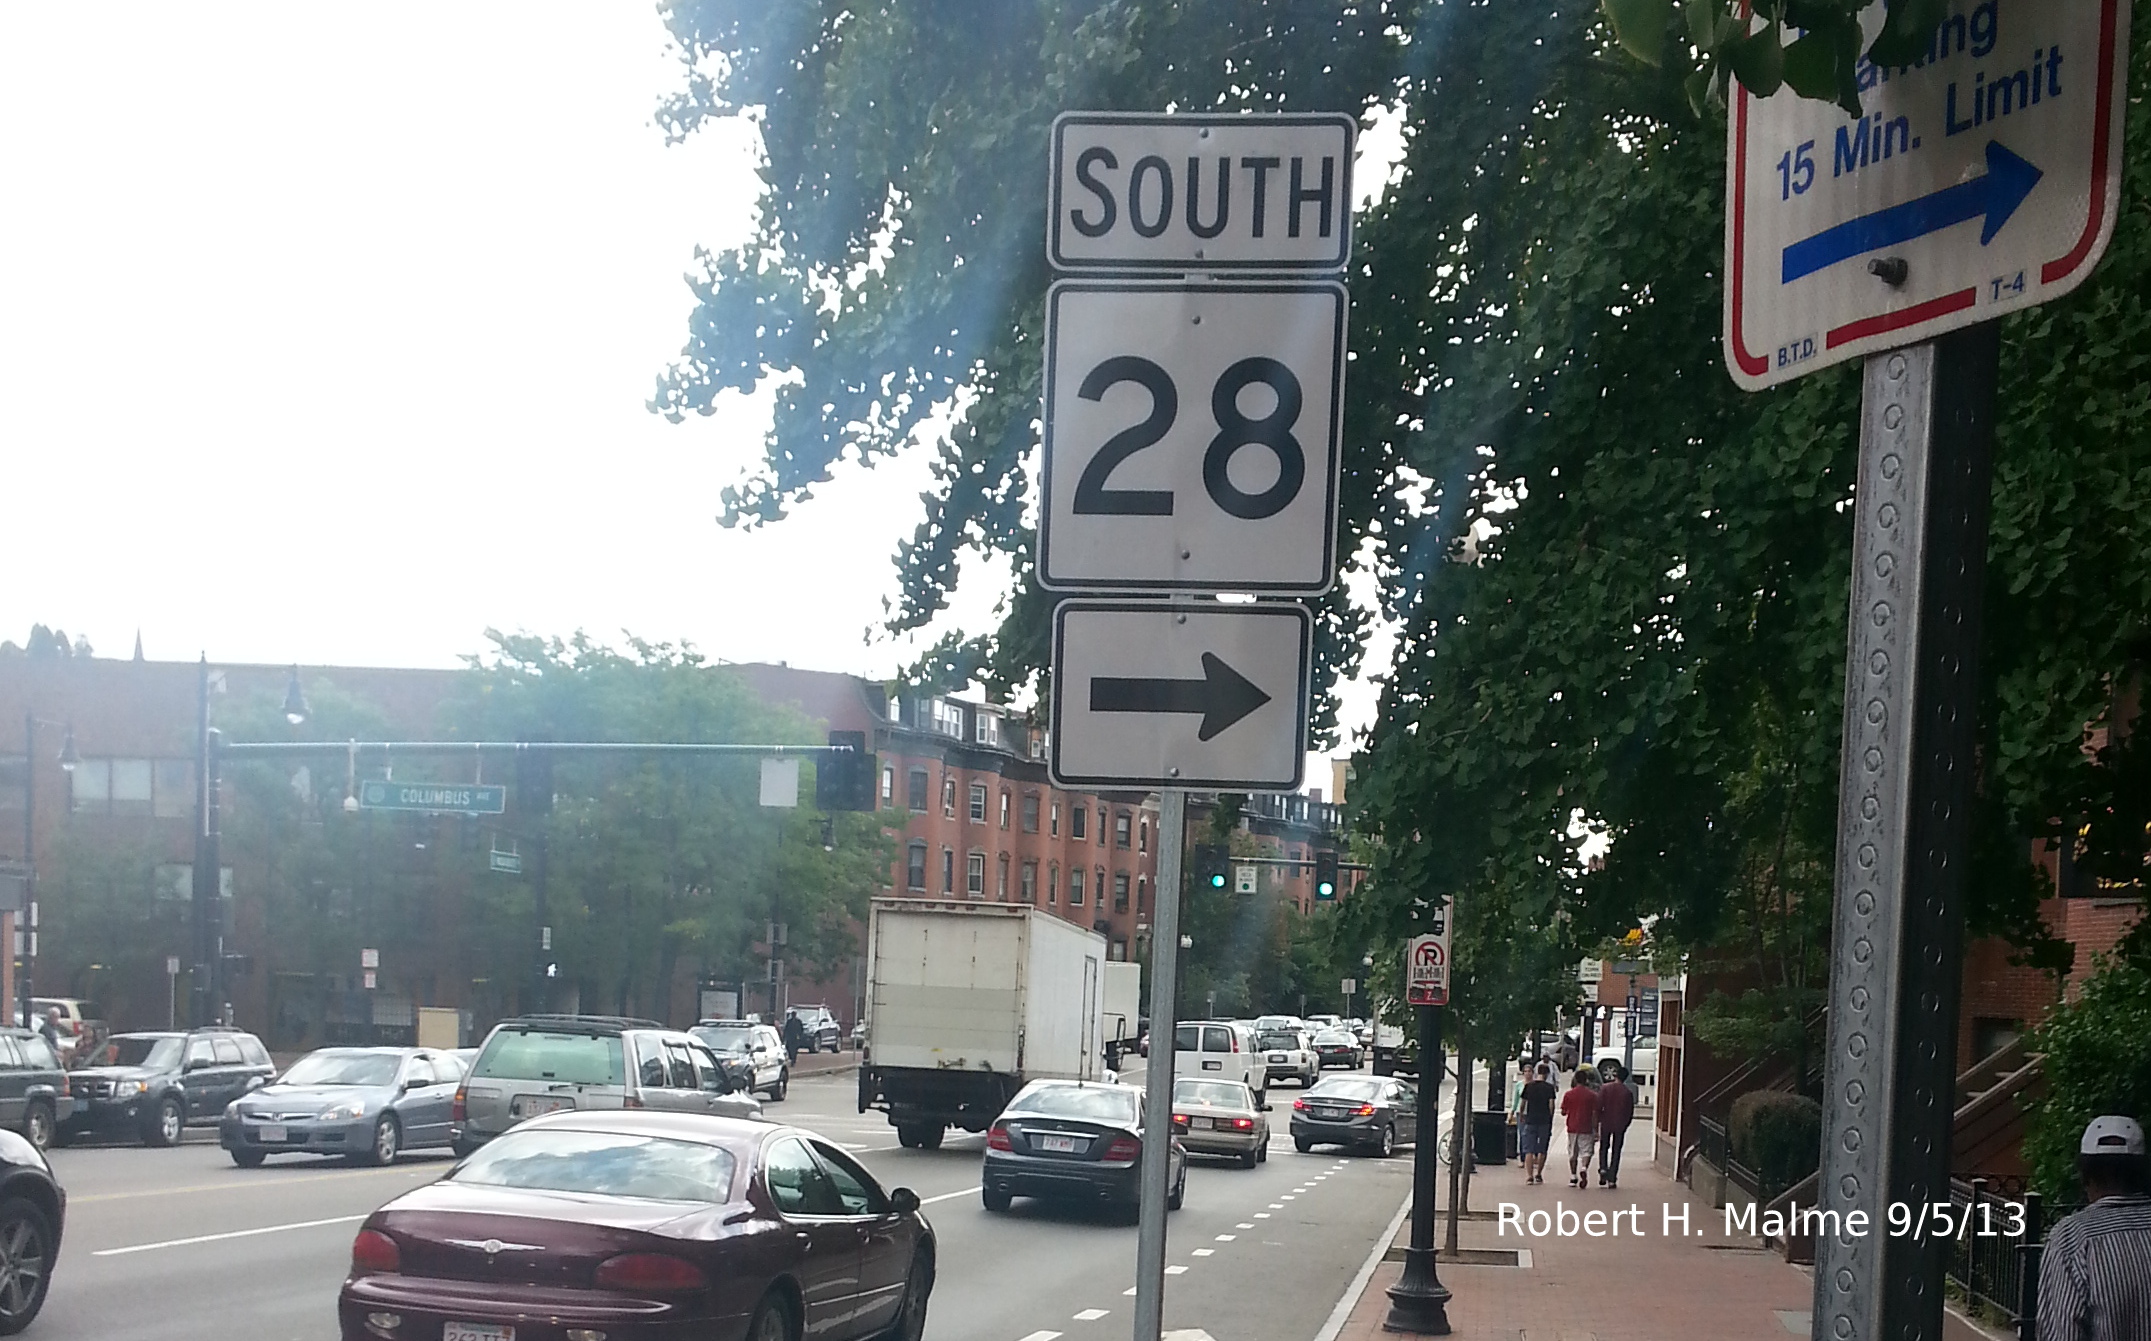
1213, 1066
274, 1134
526, 1106
476, 1331
1277, 1056
1200, 1124
1057, 1145
1329, 1113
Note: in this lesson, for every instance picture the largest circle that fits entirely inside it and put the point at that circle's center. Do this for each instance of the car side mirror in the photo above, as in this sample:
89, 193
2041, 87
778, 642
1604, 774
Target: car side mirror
903, 1201
414, 1083
256, 1082
196, 1064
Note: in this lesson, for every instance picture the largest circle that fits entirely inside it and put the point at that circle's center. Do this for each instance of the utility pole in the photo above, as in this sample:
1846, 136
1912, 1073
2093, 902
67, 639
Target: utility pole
208, 866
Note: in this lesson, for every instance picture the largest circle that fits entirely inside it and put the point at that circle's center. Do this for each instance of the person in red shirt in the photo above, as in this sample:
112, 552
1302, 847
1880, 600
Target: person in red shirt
1580, 1107
1616, 1109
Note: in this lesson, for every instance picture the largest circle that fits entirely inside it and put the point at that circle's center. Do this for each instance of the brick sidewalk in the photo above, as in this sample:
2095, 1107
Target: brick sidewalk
1656, 1287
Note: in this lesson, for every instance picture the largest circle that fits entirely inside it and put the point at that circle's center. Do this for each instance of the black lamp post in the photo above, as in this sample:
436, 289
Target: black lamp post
26, 920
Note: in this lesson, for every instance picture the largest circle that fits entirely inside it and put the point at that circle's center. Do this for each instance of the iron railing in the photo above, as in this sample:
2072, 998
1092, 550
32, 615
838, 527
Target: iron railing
1713, 1144
1995, 1259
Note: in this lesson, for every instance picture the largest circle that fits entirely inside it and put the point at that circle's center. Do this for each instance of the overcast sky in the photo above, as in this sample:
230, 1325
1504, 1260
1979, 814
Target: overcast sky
325, 335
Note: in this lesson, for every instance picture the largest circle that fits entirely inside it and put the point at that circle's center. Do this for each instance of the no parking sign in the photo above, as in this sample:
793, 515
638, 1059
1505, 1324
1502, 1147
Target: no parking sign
1426, 965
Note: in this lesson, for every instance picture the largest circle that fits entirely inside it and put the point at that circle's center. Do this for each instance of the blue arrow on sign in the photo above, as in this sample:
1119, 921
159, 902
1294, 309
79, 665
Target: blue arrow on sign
2008, 180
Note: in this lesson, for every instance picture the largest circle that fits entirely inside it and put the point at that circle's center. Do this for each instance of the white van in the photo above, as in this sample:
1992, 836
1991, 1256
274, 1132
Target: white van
1220, 1050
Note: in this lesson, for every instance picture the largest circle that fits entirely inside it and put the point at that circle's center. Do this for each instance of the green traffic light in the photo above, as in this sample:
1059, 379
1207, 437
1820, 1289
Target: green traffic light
1217, 882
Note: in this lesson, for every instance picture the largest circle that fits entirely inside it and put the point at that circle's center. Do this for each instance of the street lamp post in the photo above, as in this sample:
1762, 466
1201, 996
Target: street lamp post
27, 919
1419, 1302
208, 888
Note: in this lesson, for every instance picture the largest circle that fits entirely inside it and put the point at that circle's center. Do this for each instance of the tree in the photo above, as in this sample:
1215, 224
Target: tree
2097, 1052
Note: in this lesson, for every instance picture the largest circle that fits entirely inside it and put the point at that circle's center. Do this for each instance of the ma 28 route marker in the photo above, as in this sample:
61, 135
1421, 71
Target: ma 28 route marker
1982, 180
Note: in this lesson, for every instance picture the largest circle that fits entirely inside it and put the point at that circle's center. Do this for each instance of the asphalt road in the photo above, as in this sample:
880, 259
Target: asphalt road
176, 1244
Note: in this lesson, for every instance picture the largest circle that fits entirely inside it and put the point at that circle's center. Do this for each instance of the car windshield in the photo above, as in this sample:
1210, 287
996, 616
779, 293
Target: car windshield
155, 1053
602, 1163
343, 1068
1279, 1039
1212, 1093
577, 1059
1096, 1103
726, 1037
1340, 1088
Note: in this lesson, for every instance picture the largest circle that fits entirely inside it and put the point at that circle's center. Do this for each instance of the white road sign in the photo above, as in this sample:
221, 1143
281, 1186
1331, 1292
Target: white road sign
1203, 695
1212, 192
1426, 964
1191, 435
1246, 879
1982, 180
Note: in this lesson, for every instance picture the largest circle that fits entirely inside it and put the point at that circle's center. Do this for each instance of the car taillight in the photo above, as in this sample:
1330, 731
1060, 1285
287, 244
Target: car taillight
1181, 1118
648, 1271
456, 1110
997, 1138
1243, 1124
1365, 1110
374, 1251
1124, 1150
1300, 1104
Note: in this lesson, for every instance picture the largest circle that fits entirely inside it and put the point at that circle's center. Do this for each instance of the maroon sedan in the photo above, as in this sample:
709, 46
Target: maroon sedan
606, 1226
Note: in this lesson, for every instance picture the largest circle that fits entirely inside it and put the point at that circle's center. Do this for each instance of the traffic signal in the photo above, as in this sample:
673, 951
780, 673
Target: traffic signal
1325, 875
533, 781
844, 778
1211, 866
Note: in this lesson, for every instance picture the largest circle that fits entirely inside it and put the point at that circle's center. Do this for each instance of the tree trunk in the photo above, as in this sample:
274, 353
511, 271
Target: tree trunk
1459, 1143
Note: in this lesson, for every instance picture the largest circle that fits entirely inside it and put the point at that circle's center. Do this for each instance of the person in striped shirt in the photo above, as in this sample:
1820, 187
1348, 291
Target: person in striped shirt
2095, 1271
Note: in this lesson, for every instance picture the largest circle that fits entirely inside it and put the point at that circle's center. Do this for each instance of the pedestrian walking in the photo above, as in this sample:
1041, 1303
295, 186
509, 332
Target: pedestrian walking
2095, 1271
1580, 1107
50, 1029
1534, 1123
1616, 1109
795, 1034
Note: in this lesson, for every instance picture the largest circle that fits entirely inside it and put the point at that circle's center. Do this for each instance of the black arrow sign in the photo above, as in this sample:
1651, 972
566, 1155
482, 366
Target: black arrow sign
1223, 696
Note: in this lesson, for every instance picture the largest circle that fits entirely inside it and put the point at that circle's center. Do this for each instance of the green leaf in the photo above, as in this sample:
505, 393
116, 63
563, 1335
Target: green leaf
1907, 31
1640, 27
1758, 61
1809, 65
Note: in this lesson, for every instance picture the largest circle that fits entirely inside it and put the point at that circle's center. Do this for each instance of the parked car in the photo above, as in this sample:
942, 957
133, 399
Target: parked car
1220, 1050
754, 1051
1338, 1047
151, 1085
1075, 1140
1372, 1113
366, 1104
1266, 1023
33, 1211
34, 1094
823, 1033
1221, 1117
1317, 1023
624, 1224
1289, 1054
538, 1064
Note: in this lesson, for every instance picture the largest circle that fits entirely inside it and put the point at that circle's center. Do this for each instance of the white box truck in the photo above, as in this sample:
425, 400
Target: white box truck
1123, 1011
968, 1002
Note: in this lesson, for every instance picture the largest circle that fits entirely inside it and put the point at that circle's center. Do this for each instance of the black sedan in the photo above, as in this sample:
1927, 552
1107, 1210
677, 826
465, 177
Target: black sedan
1363, 1112
33, 1208
1071, 1140
640, 1225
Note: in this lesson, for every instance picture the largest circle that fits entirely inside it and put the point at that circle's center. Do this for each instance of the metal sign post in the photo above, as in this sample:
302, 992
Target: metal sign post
1904, 801
1158, 1082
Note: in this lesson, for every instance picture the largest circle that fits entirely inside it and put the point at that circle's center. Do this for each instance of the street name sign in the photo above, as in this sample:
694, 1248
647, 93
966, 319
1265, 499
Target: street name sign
435, 798
1177, 192
1426, 964
1982, 180
1180, 695
1191, 435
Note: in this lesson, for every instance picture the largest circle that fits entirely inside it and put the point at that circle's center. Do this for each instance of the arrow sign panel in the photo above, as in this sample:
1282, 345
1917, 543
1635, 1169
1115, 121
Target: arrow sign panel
1196, 694
1993, 197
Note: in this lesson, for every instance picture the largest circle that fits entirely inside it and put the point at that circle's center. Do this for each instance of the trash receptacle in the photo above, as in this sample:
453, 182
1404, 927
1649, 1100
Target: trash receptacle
1489, 1140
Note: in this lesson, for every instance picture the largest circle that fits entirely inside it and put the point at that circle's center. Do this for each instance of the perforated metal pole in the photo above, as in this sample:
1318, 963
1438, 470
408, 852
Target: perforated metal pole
1158, 1091
1904, 800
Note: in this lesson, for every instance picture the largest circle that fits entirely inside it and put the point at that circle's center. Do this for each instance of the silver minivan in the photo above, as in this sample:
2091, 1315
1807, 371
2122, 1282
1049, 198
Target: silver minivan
536, 1064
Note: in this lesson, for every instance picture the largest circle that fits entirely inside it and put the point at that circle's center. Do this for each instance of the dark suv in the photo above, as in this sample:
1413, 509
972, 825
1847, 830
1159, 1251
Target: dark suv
33, 1086
151, 1085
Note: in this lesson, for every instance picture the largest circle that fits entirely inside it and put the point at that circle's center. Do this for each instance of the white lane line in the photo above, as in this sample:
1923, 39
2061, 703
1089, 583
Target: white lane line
1277, 1205
1227, 1238
1287, 1197
1041, 1336
234, 1234
1176, 1271
1243, 1225
1090, 1315
1203, 1252
1342, 1314
1130, 1292
948, 1196
1262, 1215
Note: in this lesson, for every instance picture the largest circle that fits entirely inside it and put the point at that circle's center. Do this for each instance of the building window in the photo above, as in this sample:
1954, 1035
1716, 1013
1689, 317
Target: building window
948, 870
896, 709
1117, 951
915, 867
1053, 820
1000, 888
915, 790
1077, 815
1030, 813
1030, 882
1098, 883
1053, 884
888, 785
948, 718
1121, 825
1120, 891
948, 795
1004, 807
978, 803
989, 729
974, 875
1075, 888
1142, 840
1142, 893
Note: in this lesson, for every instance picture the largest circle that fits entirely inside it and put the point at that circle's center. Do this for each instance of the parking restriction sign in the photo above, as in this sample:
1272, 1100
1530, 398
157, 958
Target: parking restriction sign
1426, 964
